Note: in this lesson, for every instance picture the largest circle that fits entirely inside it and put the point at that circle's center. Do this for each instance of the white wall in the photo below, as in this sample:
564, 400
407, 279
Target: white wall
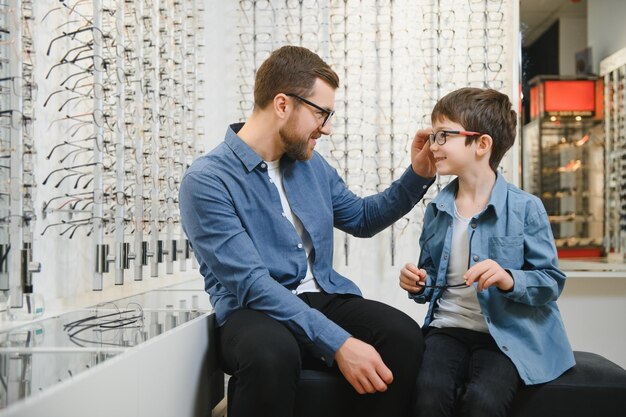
594, 310
606, 31
220, 55
572, 39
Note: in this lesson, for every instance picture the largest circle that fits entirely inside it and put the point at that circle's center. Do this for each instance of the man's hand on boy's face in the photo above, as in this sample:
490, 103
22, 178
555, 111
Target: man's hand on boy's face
487, 273
422, 159
412, 279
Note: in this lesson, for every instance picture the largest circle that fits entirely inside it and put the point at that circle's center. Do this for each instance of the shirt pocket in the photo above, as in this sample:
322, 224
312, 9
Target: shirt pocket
507, 251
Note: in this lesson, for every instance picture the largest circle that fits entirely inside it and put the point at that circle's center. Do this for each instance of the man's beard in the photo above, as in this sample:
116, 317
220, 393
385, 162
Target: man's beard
295, 147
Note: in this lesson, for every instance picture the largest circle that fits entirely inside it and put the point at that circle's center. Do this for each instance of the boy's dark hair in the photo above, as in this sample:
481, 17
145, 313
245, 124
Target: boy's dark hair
290, 69
481, 110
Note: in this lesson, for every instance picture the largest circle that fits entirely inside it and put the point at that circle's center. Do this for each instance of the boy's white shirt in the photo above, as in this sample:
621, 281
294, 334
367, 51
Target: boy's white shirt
459, 307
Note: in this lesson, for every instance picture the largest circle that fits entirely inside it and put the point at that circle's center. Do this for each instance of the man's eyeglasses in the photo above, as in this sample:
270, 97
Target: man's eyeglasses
328, 113
441, 136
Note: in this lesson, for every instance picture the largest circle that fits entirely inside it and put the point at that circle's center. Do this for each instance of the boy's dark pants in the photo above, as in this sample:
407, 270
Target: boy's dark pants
464, 373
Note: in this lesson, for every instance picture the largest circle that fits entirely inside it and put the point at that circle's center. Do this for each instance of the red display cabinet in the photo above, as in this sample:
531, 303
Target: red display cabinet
563, 160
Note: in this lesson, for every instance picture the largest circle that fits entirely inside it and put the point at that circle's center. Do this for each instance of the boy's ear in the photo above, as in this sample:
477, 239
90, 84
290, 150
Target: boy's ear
485, 142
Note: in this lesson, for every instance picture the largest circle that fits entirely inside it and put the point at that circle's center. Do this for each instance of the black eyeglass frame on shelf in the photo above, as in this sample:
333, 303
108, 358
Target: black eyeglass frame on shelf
440, 137
328, 113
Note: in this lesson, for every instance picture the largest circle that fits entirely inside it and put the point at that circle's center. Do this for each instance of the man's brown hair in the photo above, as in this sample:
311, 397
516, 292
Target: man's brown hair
481, 110
293, 70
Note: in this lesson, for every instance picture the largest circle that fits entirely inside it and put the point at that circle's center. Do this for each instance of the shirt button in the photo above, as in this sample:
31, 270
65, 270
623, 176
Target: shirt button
323, 359
283, 214
475, 258
473, 225
445, 256
505, 348
488, 320
263, 165
424, 187
272, 181
299, 245
294, 291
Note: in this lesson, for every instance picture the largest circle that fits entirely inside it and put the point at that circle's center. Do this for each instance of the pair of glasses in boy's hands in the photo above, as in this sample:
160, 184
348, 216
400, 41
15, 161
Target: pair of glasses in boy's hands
417, 283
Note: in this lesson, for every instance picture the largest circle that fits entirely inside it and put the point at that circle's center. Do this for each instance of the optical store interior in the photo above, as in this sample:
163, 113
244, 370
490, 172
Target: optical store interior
104, 104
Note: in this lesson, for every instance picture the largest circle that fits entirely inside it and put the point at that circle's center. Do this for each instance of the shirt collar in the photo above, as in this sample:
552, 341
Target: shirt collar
500, 189
445, 199
250, 159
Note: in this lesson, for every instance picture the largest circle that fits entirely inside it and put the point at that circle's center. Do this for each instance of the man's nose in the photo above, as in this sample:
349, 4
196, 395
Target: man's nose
327, 129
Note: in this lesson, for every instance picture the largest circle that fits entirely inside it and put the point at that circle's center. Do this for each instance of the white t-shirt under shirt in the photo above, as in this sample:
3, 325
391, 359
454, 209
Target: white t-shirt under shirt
459, 307
308, 284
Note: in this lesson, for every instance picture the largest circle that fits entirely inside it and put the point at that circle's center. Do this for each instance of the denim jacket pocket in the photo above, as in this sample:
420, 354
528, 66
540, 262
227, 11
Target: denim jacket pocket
507, 251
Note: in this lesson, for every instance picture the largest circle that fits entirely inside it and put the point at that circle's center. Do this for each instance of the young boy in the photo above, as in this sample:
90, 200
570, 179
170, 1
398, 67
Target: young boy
488, 267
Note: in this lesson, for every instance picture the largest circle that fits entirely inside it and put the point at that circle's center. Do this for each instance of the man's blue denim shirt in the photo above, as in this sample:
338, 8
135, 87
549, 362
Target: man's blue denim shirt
514, 231
251, 255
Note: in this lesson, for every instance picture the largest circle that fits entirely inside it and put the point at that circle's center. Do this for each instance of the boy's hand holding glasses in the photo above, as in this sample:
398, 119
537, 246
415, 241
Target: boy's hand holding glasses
485, 273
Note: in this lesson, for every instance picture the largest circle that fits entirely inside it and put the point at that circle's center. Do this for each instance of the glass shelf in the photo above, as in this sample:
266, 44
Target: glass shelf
36, 355
25, 373
102, 327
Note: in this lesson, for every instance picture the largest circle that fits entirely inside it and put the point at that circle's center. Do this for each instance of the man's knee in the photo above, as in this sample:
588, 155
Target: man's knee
271, 358
257, 347
405, 335
275, 356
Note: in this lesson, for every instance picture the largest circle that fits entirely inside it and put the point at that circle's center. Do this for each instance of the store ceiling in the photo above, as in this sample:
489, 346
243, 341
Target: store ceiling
536, 16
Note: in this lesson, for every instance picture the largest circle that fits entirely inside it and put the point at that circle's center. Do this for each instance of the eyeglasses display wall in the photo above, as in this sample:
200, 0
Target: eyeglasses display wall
113, 88
395, 59
613, 70
18, 95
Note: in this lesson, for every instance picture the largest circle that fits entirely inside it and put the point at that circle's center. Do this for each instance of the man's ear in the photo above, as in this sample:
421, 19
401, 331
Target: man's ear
485, 143
281, 106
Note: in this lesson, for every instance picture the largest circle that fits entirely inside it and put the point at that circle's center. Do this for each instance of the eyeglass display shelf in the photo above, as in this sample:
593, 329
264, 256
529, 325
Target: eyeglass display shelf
26, 373
37, 355
593, 268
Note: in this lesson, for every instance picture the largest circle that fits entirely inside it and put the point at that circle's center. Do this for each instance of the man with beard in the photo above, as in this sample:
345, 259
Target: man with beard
259, 211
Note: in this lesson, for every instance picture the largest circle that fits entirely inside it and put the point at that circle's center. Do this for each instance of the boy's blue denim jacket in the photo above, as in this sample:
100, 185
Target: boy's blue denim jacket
514, 231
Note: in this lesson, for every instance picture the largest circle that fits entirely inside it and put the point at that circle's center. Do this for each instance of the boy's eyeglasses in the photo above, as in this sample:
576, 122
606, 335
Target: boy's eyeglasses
328, 113
441, 136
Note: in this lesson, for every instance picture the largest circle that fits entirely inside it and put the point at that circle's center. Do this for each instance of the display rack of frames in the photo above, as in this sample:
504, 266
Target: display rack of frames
116, 87
563, 160
18, 95
395, 59
613, 71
